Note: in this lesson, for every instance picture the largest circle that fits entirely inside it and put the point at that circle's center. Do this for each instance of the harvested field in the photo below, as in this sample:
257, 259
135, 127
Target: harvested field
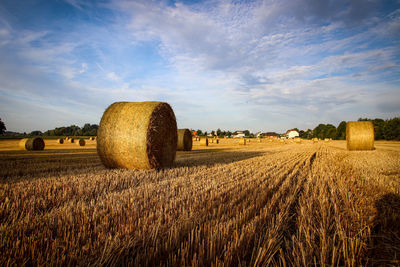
268, 203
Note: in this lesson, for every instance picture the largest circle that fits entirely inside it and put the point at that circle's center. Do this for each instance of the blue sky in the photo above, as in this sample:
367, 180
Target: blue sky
257, 65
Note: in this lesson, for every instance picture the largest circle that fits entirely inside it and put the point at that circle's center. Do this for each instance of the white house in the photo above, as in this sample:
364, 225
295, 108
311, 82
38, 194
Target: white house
238, 134
293, 134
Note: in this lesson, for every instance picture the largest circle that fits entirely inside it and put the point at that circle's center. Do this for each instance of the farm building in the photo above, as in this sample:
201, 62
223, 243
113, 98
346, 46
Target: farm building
238, 134
292, 133
271, 135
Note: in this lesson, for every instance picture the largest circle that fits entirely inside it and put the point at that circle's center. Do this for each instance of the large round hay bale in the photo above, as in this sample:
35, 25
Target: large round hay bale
137, 135
242, 141
185, 141
297, 140
71, 140
81, 142
34, 143
360, 135
204, 141
60, 141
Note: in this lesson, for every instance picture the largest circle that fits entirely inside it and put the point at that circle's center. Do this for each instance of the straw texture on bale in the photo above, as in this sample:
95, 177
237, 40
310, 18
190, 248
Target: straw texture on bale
242, 141
204, 141
137, 135
297, 140
185, 141
360, 135
35, 143
60, 141
81, 142
71, 140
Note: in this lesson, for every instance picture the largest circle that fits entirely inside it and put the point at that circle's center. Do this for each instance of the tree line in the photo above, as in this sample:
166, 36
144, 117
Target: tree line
384, 130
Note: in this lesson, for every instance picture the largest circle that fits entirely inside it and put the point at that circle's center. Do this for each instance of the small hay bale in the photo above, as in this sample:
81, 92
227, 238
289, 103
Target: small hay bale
297, 140
217, 141
91, 138
60, 141
35, 143
326, 140
81, 142
185, 141
71, 140
242, 141
360, 135
137, 135
204, 141
211, 140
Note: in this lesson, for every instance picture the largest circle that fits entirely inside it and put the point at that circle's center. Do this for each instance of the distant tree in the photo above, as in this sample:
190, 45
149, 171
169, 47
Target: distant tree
2, 127
246, 132
229, 133
219, 132
379, 126
213, 133
199, 132
205, 133
36, 133
341, 131
391, 129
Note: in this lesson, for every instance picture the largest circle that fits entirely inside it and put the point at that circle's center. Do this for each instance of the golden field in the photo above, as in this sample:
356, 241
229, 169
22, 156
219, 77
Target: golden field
267, 203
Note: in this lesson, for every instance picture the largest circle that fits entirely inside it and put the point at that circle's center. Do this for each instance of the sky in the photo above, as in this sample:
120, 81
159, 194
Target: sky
258, 65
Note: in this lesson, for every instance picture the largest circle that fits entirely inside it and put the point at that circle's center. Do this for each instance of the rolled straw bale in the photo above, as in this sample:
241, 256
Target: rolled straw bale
204, 141
326, 140
81, 142
35, 143
360, 135
71, 140
60, 141
297, 140
217, 141
315, 140
211, 140
185, 141
137, 135
242, 141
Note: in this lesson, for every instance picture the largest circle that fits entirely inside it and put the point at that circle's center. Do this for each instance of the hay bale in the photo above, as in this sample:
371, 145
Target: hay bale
217, 141
360, 135
60, 141
315, 140
185, 141
137, 135
204, 141
242, 141
297, 140
71, 140
81, 142
35, 143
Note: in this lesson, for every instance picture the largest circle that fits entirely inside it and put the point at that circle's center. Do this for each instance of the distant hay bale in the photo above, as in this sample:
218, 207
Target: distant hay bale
211, 140
242, 141
326, 140
315, 140
297, 140
91, 138
217, 141
71, 140
34, 143
137, 135
81, 142
248, 140
185, 141
204, 141
60, 141
259, 140
360, 135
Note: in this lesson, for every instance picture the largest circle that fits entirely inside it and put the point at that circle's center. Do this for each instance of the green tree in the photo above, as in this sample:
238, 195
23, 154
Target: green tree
213, 133
379, 126
229, 133
391, 129
2, 127
199, 132
341, 131
219, 132
246, 132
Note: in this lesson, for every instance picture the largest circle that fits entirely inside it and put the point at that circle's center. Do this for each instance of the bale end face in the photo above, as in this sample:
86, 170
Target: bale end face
81, 142
360, 135
242, 141
60, 141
